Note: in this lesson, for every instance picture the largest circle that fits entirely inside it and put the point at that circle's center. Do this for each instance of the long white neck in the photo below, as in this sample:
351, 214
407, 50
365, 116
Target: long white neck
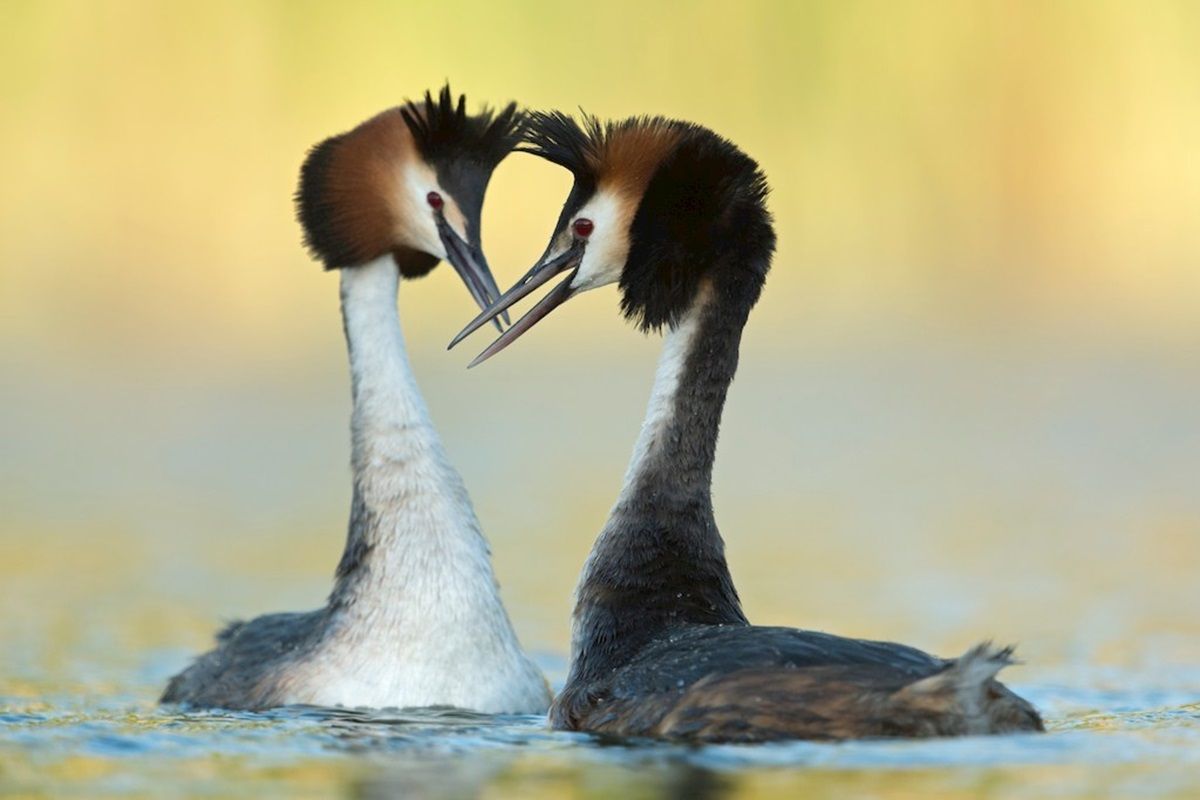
412, 527
386, 398
415, 618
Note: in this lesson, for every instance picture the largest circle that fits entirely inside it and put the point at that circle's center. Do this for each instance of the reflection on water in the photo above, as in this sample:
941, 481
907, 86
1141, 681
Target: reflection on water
932, 495
443, 753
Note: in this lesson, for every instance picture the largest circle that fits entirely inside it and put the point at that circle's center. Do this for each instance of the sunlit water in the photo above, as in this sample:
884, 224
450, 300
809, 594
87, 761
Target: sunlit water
118, 745
933, 497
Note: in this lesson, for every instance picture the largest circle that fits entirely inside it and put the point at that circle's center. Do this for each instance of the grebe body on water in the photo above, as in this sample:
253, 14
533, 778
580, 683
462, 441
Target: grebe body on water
676, 216
415, 617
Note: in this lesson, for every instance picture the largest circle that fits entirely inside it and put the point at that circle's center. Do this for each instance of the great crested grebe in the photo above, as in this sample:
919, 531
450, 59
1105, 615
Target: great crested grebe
415, 618
676, 216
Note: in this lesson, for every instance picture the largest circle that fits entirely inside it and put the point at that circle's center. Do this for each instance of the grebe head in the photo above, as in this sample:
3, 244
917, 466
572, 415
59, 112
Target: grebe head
657, 206
409, 182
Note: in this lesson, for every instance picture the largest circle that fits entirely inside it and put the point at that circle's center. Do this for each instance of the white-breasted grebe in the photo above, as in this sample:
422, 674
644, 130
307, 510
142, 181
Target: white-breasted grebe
676, 216
415, 617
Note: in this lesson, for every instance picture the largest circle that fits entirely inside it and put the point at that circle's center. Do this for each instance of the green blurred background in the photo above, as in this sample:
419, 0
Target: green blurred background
967, 405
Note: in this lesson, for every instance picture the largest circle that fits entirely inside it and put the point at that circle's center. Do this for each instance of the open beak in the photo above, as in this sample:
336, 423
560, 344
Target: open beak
468, 261
567, 261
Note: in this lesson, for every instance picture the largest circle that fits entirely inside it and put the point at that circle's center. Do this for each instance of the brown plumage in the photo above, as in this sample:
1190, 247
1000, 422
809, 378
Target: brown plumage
351, 200
631, 155
823, 703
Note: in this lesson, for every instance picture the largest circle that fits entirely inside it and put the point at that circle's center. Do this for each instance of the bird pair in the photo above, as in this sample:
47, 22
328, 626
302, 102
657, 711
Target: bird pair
676, 216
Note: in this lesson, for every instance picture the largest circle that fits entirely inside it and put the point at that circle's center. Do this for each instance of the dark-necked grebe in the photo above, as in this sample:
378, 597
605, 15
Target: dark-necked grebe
676, 216
414, 618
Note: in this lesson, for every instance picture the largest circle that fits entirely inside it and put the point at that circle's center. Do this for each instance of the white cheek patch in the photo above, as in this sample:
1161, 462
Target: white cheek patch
608, 246
418, 228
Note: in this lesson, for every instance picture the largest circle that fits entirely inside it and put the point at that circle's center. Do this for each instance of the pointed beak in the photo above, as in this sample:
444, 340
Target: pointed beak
568, 261
468, 261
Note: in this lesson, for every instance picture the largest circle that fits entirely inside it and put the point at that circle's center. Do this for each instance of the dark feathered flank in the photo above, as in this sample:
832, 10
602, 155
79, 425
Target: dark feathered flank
660, 645
442, 129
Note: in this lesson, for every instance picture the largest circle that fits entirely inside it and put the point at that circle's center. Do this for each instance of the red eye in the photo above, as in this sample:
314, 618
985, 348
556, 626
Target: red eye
583, 228
434, 199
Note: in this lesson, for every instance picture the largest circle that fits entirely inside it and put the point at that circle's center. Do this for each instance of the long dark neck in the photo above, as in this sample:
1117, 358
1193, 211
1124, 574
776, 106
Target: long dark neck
660, 561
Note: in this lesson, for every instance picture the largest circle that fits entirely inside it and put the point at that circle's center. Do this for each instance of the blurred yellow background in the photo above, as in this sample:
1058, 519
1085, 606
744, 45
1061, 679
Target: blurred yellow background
996, 163
973, 368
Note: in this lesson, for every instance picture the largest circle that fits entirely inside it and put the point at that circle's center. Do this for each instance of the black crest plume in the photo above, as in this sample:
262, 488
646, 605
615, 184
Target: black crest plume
442, 129
560, 139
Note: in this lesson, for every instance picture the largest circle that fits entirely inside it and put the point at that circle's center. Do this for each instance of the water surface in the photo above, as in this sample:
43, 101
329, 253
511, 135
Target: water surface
933, 495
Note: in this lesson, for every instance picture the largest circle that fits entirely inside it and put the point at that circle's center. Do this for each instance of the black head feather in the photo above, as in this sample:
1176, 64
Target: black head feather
463, 149
701, 213
560, 139
443, 130
324, 236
